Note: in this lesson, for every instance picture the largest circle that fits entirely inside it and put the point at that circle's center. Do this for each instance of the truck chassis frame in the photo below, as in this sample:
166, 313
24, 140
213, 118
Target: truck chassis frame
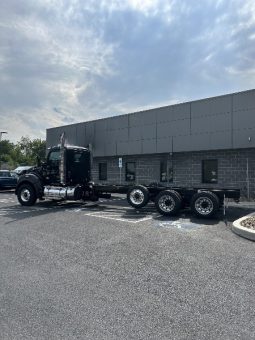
204, 202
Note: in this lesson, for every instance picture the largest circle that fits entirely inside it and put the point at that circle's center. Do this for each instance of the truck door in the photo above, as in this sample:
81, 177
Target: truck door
52, 168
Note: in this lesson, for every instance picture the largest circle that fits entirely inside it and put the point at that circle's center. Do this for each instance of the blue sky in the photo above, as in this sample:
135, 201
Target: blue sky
64, 62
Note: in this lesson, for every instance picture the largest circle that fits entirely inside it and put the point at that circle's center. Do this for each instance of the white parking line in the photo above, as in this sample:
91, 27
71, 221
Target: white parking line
116, 216
14, 212
111, 199
117, 213
6, 200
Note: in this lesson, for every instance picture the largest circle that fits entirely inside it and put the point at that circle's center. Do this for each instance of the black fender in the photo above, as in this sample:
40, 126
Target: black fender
32, 179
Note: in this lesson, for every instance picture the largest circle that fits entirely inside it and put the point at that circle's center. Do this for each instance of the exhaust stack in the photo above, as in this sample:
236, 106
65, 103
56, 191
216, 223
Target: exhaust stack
62, 163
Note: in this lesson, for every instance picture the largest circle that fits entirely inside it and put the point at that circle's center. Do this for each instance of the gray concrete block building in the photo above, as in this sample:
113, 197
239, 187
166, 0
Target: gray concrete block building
208, 142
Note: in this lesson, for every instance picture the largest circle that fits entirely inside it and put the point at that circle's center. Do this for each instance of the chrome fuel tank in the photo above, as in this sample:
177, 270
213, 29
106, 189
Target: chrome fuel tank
68, 193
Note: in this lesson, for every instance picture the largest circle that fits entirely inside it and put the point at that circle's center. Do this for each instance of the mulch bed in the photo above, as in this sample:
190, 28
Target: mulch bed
249, 223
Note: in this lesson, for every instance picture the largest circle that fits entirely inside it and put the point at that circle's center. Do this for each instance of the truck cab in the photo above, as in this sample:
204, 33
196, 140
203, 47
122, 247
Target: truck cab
72, 162
65, 175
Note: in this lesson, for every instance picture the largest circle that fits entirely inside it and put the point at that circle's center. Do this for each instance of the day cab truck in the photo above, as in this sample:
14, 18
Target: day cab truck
66, 175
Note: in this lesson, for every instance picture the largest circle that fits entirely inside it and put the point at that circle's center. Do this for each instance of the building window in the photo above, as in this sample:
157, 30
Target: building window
130, 171
210, 171
102, 171
166, 172
163, 171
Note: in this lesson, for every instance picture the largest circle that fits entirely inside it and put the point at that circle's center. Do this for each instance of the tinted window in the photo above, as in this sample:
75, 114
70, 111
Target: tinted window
163, 171
77, 157
102, 171
210, 171
4, 174
54, 156
166, 172
130, 171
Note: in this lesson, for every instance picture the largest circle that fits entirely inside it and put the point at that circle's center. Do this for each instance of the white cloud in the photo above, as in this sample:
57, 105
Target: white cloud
65, 61
45, 62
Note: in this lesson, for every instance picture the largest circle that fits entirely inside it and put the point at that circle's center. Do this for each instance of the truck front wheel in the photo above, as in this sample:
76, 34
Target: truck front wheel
26, 194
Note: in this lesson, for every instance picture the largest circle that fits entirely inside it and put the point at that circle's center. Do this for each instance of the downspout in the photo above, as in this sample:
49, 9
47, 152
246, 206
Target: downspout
247, 178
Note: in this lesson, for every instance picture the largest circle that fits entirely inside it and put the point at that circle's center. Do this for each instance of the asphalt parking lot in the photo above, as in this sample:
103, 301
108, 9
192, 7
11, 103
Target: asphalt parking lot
75, 271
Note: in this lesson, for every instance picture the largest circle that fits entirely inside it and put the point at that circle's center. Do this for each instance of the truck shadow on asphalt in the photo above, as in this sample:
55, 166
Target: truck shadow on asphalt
119, 209
7, 191
17, 212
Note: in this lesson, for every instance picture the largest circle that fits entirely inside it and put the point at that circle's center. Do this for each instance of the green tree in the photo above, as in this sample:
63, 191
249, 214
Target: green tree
5, 149
25, 152
38, 149
32, 149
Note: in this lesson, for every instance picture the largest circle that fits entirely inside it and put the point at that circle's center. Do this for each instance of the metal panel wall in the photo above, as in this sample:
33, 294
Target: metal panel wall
211, 106
213, 123
143, 118
244, 119
223, 122
53, 135
164, 145
149, 146
174, 112
244, 100
174, 128
118, 122
81, 134
70, 134
89, 132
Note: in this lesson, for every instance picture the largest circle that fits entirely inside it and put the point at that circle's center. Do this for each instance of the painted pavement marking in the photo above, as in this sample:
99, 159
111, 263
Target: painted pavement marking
7, 200
130, 215
116, 215
181, 224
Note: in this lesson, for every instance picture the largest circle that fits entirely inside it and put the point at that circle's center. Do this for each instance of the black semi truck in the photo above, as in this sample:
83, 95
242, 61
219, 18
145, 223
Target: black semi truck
66, 175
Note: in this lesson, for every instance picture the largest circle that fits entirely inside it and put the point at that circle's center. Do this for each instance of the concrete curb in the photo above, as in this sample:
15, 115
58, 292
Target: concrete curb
242, 231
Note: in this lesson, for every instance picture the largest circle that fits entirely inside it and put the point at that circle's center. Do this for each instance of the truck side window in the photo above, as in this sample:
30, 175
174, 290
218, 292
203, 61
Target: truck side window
54, 156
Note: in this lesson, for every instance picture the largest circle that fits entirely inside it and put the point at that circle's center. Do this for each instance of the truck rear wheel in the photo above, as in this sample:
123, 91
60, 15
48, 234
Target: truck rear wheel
204, 204
168, 202
138, 196
26, 194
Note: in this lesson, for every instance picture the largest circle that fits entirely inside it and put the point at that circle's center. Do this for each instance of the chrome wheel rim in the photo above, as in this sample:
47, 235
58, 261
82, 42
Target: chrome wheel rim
136, 196
204, 205
166, 203
25, 195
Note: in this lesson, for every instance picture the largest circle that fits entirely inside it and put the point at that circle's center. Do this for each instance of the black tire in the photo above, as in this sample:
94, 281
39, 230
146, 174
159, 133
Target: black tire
168, 202
205, 204
138, 196
26, 194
